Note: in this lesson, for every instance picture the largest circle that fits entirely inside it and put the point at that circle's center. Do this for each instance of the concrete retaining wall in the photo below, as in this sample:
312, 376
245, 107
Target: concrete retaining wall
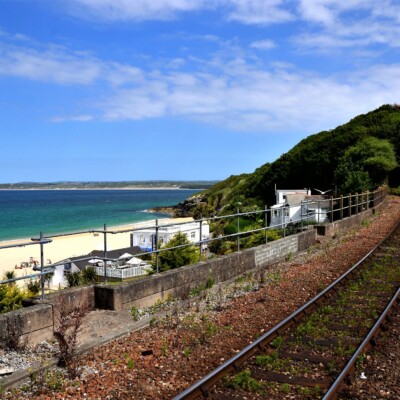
31, 324
36, 321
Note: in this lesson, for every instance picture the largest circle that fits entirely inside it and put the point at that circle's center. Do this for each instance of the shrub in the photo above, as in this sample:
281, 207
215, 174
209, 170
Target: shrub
33, 287
73, 278
66, 332
11, 297
89, 275
174, 258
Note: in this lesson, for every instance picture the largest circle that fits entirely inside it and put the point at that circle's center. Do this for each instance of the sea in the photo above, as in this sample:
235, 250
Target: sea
26, 213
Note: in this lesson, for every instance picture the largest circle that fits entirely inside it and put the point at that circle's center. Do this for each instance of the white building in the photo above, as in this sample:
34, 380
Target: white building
294, 205
145, 238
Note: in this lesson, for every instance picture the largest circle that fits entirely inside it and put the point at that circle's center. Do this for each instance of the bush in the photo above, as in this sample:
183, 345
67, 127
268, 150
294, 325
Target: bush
89, 275
174, 258
33, 287
73, 278
11, 297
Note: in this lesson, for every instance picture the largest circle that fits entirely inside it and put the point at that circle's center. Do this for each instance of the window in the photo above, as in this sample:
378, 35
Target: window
286, 212
192, 235
142, 239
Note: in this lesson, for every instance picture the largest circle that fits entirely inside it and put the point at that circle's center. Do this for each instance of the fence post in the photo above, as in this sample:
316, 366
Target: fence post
301, 215
283, 221
331, 207
356, 203
349, 204
319, 211
266, 223
105, 254
156, 245
238, 230
41, 266
201, 236
341, 206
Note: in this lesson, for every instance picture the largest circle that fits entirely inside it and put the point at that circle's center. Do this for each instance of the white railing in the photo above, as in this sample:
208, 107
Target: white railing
123, 273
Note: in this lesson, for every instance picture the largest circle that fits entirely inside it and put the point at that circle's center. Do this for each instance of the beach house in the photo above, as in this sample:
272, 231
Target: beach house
145, 238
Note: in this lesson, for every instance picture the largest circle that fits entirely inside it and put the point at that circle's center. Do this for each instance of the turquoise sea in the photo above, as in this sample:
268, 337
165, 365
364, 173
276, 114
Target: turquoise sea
26, 213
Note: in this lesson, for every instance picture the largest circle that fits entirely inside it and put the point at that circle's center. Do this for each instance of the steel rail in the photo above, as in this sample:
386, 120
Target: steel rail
364, 346
202, 386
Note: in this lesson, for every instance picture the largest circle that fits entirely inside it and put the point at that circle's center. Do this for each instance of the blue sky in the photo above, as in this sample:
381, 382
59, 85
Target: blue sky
183, 89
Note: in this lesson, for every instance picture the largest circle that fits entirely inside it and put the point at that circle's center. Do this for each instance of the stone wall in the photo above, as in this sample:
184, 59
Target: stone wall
275, 251
31, 325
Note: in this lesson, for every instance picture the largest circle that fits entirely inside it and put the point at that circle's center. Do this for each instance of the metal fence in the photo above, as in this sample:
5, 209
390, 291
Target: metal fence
122, 273
310, 211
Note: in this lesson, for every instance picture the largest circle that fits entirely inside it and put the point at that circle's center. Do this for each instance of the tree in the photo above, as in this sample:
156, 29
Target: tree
365, 165
174, 258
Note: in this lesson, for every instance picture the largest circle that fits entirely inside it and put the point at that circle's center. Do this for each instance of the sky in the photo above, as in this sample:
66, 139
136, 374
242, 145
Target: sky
95, 90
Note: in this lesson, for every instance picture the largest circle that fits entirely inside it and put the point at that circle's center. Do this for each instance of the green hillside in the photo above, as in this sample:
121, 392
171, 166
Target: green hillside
358, 155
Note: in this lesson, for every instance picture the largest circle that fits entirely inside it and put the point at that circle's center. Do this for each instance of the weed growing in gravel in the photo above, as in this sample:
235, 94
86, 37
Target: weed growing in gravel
159, 304
186, 352
306, 328
360, 360
243, 380
285, 388
43, 380
210, 281
269, 361
310, 392
289, 256
116, 361
327, 310
164, 349
366, 222
135, 313
130, 364
277, 342
276, 278
331, 367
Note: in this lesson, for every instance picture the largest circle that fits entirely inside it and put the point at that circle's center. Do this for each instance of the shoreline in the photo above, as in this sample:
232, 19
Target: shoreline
105, 188
119, 227
70, 245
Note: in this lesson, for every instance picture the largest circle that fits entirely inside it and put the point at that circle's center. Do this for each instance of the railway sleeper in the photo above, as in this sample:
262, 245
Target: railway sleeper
307, 357
271, 376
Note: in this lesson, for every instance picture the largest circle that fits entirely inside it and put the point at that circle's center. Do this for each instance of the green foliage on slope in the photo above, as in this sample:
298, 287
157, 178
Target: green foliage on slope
314, 162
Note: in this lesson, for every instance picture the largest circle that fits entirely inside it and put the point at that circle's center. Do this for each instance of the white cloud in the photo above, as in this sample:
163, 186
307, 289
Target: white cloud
350, 23
136, 10
51, 65
74, 118
226, 89
266, 44
260, 12
247, 98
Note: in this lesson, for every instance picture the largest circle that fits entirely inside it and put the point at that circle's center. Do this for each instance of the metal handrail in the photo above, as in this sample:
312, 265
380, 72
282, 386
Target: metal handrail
375, 197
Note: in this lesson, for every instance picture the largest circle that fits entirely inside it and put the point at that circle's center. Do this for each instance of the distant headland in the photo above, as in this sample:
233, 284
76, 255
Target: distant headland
108, 185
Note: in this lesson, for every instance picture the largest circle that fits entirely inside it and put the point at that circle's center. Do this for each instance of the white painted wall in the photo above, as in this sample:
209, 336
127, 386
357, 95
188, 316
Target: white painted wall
143, 238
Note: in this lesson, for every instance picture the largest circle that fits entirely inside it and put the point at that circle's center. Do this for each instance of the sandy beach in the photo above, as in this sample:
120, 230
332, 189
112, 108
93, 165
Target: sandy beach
63, 247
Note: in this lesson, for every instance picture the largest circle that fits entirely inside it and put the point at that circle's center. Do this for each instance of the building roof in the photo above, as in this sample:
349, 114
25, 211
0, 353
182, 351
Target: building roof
115, 254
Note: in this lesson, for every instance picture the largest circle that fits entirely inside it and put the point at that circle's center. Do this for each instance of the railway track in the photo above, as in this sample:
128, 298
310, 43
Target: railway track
312, 352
